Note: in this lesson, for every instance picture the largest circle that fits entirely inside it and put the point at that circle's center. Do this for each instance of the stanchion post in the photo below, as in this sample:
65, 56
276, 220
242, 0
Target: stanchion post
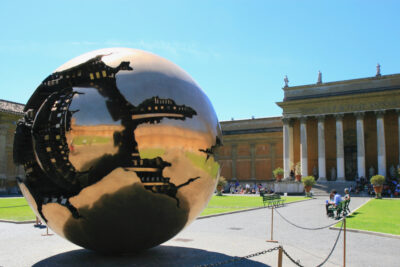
47, 232
280, 252
344, 241
272, 227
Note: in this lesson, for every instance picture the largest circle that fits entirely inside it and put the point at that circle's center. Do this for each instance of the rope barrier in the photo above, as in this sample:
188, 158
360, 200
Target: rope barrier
302, 227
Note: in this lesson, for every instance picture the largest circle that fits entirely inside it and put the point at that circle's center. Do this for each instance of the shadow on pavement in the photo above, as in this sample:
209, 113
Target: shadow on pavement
158, 256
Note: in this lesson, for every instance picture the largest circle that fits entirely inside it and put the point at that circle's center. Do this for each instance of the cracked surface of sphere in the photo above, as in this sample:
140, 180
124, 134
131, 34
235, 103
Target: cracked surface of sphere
118, 148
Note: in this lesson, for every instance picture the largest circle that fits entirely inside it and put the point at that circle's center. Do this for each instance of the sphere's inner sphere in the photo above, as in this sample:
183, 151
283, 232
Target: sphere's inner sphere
92, 152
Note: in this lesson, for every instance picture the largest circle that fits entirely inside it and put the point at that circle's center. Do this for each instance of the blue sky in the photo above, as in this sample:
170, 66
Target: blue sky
237, 51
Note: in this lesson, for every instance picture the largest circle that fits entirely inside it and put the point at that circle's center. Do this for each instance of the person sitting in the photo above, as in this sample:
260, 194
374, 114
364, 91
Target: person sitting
336, 199
329, 213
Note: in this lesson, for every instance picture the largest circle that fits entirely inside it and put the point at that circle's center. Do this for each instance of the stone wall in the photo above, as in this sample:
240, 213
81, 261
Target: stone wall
8, 170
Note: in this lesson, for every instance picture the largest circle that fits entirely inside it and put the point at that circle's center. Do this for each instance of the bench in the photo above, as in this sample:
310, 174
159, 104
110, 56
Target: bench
272, 200
341, 210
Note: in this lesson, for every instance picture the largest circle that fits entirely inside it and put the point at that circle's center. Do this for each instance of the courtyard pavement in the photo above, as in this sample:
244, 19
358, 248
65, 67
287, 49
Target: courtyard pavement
215, 239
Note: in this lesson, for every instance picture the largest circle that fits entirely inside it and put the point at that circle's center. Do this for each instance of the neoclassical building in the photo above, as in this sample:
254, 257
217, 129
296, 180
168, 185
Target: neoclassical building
342, 129
10, 112
336, 131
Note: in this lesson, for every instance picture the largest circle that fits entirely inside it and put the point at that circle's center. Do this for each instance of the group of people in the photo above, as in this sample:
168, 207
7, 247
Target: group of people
237, 188
334, 200
391, 188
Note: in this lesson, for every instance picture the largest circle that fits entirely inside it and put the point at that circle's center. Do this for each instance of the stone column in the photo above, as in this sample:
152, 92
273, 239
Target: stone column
380, 131
234, 157
360, 144
291, 146
286, 148
273, 157
303, 146
339, 148
321, 149
398, 127
3, 154
253, 161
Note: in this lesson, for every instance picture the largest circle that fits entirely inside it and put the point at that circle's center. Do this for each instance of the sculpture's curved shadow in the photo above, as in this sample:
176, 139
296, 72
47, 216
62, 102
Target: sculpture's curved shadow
158, 256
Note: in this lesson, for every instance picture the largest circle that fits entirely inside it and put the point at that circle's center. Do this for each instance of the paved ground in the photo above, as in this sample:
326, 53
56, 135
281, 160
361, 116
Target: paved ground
213, 240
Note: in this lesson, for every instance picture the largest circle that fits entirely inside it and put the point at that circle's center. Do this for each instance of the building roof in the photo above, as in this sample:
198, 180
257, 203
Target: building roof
345, 87
11, 107
271, 124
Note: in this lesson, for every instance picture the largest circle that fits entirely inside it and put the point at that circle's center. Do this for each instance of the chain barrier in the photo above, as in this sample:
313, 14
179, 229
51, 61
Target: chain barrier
334, 246
305, 228
291, 259
297, 263
241, 258
325, 260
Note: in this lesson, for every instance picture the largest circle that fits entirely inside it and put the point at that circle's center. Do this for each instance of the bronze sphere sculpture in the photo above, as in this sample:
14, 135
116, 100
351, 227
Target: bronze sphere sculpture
118, 146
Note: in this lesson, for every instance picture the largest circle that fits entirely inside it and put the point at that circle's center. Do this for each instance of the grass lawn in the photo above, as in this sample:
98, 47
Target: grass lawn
378, 215
220, 204
15, 209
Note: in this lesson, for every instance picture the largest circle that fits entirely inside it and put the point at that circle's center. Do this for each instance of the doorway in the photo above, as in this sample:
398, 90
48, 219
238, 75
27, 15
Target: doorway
350, 162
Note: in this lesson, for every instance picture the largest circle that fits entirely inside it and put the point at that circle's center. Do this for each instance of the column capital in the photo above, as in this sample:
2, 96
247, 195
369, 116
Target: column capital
338, 116
320, 118
359, 115
380, 113
303, 119
286, 120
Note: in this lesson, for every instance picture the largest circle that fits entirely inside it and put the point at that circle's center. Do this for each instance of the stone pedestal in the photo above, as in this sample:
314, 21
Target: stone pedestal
288, 187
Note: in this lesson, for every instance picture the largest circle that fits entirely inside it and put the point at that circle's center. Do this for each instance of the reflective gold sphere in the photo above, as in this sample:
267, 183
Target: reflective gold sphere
118, 147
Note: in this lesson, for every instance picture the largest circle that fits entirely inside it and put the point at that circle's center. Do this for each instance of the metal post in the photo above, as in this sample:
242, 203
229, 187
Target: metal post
280, 257
344, 241
47, 232
272, 227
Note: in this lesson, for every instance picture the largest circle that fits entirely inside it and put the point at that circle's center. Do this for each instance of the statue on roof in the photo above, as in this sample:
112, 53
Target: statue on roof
319, 77
378, 70
286, 80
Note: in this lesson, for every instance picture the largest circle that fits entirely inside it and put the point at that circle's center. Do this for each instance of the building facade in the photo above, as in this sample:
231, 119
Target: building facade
10, 112
343, 129
335, 131
251, 149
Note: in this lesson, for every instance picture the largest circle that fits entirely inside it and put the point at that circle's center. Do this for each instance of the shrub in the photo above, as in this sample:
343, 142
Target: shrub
222, 181
377, 180
278, 171
308, 180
